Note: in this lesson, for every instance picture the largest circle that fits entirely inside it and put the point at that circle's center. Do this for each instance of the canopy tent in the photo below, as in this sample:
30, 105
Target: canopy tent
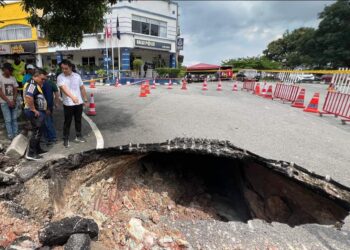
203, 67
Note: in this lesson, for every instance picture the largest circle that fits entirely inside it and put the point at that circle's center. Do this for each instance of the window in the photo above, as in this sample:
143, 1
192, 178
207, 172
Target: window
15, 32
148, 26
145, 28
88, 61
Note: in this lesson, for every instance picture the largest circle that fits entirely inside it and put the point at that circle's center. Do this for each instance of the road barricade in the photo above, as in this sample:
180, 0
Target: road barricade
337, 104
248, 85
286, 92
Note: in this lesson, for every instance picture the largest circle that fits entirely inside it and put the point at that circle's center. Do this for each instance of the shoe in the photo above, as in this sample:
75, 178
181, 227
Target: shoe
41, 152
33, 157
66, 143
51, 142
79, 139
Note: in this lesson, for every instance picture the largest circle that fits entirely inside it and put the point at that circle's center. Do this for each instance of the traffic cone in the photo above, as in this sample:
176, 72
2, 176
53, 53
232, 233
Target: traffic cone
235, 87
257, 89
331, 88
170, 85
92, 107
299, 102
92, 83
147, 88
154, 84
263, 92
219, 88
205, 85
268, 94
117, 84
184, 85
313, 105
143, 92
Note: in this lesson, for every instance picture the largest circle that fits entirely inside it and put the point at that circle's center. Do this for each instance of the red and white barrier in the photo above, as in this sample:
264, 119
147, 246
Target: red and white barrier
337, 104
248, 85
286, 92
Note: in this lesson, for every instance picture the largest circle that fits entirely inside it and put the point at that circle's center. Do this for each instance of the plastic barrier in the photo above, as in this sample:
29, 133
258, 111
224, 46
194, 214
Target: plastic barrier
248, 85
337, 104
285, 92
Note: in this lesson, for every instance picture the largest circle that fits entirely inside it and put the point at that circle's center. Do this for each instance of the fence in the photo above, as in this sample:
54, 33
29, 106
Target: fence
337, 104
341, 81
248, 85
286, 92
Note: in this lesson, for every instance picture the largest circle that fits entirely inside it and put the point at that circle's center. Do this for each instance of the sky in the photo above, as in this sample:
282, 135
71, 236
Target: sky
219, 30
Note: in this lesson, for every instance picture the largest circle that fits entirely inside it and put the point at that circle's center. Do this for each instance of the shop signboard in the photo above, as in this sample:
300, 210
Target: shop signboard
180, 43
21, 48
152, 44
5, 49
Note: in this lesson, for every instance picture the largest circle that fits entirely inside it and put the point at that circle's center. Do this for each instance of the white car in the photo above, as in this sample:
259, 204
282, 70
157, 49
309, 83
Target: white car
305, 77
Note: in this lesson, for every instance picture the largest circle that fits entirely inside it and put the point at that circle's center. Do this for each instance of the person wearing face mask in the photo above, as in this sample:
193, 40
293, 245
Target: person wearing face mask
74, 97
35, 108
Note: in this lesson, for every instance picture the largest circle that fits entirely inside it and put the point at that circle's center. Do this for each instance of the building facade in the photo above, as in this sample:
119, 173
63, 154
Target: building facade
148, 31
17, 35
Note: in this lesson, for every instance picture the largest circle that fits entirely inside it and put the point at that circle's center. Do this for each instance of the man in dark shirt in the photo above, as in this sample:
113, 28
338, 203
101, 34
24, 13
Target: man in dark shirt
35, 111
51, 94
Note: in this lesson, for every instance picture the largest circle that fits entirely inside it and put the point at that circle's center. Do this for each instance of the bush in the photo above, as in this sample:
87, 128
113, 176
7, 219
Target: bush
169, 72
137, 63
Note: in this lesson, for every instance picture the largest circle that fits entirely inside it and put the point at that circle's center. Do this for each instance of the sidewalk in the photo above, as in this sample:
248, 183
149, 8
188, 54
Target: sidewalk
57, 150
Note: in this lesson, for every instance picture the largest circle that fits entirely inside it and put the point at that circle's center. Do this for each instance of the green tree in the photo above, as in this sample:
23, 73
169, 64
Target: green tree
295, 48
261, 62
333, 35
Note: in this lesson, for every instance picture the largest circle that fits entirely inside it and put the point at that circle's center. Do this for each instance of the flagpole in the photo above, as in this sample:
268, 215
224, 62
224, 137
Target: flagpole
106, 56
112, 48
118, 44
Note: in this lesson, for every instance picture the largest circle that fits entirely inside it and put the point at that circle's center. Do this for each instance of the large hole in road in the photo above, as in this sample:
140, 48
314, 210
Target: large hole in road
163, 185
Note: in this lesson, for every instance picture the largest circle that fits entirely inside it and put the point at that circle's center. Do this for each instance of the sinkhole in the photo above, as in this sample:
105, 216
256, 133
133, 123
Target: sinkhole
162, 183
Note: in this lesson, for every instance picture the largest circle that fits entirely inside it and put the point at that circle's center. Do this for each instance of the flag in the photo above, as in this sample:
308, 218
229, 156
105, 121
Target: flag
108, 31
118, 31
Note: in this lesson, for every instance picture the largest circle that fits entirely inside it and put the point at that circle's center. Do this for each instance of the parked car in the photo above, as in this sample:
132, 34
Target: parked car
326, 79
247, 74
305, 78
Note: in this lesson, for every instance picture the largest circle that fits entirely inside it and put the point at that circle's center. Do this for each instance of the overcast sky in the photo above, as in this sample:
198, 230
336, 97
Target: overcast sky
218, 30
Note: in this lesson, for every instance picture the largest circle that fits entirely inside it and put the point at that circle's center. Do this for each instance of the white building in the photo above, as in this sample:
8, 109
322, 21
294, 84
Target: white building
148, 30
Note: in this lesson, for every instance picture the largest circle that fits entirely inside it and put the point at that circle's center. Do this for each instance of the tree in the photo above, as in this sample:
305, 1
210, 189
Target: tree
65, 22
252, 62
295, 48
333, 34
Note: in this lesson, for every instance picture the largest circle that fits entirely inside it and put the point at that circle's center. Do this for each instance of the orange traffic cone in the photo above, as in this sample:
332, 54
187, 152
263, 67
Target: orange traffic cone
92, 107
184, 85
154, 84
143, 92
331, 88
235, 87
205, 85
313, 105
263, 92
299, 102
92, 83
170, 84
147, 88
219, 88
268, 94
257, 89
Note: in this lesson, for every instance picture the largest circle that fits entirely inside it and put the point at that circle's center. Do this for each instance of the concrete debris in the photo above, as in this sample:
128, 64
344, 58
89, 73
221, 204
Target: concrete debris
78, 242
58, 232
18, 147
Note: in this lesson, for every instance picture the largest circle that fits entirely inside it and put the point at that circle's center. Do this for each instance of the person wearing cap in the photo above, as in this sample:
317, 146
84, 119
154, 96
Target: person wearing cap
28, 76
8, 96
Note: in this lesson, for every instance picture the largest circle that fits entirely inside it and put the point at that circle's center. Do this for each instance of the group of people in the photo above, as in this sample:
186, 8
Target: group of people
26, 83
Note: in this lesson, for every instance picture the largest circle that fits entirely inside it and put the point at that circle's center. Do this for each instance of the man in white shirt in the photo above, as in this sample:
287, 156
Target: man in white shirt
8, 96
74, 96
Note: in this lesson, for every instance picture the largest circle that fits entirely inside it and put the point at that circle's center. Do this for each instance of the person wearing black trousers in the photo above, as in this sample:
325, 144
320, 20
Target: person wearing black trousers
74, 97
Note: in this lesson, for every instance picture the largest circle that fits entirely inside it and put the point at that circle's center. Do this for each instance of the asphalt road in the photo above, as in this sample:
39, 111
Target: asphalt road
268, 128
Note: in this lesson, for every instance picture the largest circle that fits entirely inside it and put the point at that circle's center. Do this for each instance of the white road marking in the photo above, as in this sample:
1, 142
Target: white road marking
99, 138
